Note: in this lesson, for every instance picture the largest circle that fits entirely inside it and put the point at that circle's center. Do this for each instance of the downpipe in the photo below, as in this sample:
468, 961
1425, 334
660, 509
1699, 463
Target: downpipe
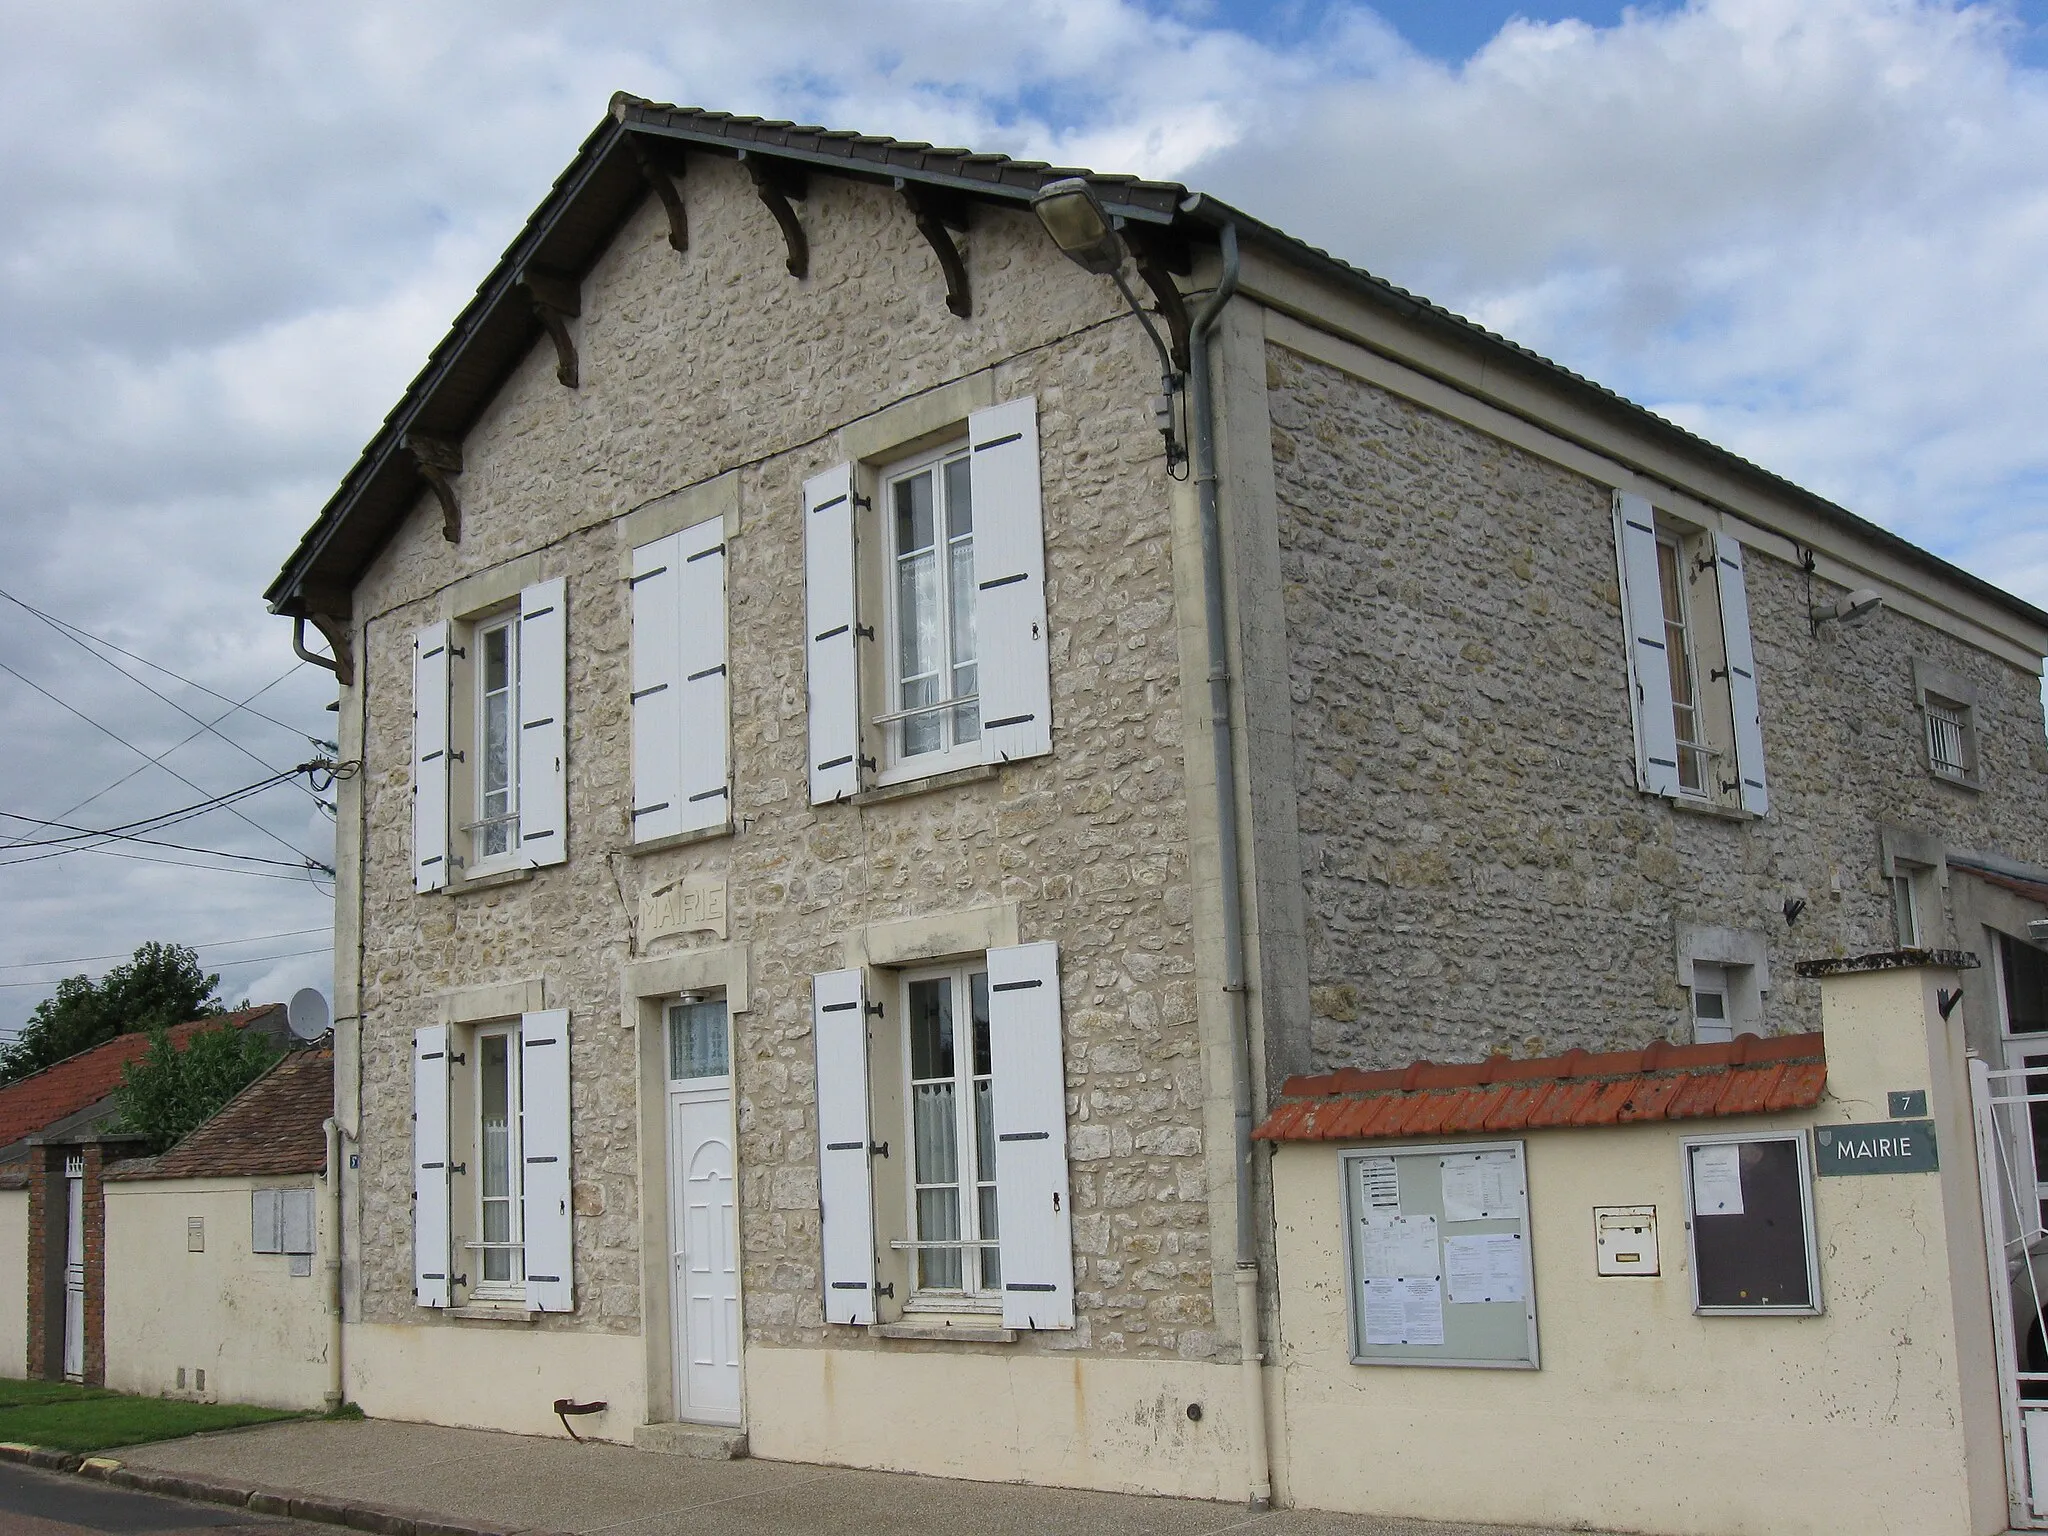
1203, 429
337, 1392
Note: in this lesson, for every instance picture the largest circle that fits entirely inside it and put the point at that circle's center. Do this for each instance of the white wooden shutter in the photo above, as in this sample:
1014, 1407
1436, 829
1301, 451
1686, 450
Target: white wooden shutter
430, 757
1649, 668
1033, 1216
266, 1221
1009, 568
430, 1239
543, 723
657, 694
846, 1201
1743, 702
706, 793
834, 666
546, 1222
295, 1220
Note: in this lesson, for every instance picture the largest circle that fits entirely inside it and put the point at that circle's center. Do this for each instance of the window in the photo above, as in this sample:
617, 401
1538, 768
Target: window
1711, 1020
924, 583
959, 1069
496, 828
1749, 1213
1947, 703
1691, 661
935, 708
699, 1041
2023, 974
491, 1217
489, 740
1726, 974
952, 1134
501, 1258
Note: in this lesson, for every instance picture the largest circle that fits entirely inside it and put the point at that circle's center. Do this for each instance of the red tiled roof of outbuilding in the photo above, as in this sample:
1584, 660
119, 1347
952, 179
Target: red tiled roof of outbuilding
1750, 1075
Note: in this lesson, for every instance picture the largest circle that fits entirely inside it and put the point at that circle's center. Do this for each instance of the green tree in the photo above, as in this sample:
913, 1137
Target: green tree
169, 1093
159, 984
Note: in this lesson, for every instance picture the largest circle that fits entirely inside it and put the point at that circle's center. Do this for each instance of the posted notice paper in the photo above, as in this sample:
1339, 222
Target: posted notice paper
1482, 1186
1717, 1180
1404, 1312
1400, 1248
1482, 1269
1382, 1185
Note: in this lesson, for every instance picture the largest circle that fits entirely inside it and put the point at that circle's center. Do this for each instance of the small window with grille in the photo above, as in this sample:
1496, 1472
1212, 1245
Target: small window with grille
1948, 706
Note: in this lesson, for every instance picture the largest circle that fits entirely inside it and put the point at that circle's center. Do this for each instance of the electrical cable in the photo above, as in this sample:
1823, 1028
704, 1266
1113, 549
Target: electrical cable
295, 954
156, 823
254, 938
129, 837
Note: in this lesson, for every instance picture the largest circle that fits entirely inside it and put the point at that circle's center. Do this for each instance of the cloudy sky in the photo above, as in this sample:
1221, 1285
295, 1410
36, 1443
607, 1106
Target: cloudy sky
1814, 230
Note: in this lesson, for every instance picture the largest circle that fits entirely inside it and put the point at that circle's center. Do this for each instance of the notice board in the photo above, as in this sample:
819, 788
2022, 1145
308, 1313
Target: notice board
1437, 1264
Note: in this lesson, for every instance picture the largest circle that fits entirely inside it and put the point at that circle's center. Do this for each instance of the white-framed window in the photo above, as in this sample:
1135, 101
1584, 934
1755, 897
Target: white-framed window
1749, 1219
1905, 911
924, 586
942, 1140
1712, 1019
494, 834
1726, 975
1947, 702
500, 1167
1692, 673
490, 743
933, 718
950, 1077
699, 1039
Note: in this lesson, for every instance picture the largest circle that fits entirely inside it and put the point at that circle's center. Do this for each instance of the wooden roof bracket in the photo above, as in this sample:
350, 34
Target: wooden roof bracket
556, 298
938, 215
438, 459
1157, 266
335, 632
777, 184
662, 177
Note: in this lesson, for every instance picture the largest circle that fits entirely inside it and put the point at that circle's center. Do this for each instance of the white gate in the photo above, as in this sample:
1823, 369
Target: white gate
2011, 1107
74, 1268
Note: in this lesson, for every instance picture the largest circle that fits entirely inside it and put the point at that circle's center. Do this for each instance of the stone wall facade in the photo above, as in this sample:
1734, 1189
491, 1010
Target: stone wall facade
1481, 872
716, 360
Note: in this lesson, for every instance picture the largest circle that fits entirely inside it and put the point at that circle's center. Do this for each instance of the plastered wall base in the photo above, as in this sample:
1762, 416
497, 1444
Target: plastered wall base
485, 1376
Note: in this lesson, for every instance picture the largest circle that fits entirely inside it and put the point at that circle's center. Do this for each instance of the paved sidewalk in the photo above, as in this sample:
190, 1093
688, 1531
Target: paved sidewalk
520, 1482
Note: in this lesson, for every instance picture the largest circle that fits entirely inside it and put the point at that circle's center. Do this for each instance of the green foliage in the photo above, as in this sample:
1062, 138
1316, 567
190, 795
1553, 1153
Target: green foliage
170, 1093
160, 985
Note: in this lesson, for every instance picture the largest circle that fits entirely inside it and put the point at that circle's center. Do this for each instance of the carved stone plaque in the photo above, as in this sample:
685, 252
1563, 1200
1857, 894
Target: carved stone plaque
694, 904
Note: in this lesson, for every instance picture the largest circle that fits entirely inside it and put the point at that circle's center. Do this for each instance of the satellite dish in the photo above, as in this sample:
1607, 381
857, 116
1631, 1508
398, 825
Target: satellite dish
307, 1013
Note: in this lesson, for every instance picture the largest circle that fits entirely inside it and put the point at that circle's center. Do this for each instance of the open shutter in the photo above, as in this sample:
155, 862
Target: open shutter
657, 693
430, 757
1649, 668
1009, 568
430, 1240
543, 723
834, 667
1033, 1215
706, 795
544, 1139
846, 1201
1742, 693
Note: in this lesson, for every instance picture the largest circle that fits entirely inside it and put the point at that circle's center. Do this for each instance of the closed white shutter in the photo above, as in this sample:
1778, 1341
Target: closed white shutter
1742, 691
548, 1227
430, 757
1033, 1215
430, 1240
266, 1221
1649, 668
657, 694
543, 723
1009, 568
295, 1220
706, 795
834, 667
846, 1201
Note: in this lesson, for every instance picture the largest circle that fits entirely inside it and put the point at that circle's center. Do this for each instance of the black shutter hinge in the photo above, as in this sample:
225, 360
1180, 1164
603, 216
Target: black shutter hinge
461, 1168
865, 503
867, 763
878, 1149
874, 1009
888, 1290
865, 631
457, 1059
462, 1280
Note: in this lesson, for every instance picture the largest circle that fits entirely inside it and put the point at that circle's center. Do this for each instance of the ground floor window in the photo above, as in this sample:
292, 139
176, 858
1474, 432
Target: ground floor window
952, 1133
501, 1255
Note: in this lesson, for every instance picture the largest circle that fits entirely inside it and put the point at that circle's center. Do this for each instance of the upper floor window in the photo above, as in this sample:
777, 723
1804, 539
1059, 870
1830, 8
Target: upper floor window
1947, 702
495, 831
1691, 662
936, 706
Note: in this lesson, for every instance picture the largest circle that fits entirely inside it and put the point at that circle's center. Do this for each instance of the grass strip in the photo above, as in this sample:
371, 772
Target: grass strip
62, 1416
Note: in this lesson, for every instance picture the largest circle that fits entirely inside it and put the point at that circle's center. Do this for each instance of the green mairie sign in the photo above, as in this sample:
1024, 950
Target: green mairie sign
1891, 1146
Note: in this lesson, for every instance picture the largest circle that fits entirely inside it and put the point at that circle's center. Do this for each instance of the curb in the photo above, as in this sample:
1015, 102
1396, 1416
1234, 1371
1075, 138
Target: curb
380, 1519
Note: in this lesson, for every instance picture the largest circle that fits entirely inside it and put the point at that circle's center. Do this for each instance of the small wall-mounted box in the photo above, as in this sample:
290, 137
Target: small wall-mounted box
1625, 1240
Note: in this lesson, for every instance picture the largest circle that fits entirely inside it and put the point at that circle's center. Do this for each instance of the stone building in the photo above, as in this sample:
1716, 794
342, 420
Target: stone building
853, 807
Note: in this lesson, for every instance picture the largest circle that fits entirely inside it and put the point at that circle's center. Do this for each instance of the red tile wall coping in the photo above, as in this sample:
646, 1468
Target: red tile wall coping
1747, 1076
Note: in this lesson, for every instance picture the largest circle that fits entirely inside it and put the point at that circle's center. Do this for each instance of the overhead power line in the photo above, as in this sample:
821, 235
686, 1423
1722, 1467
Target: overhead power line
129, 837
254, 938
155, 823
252, 960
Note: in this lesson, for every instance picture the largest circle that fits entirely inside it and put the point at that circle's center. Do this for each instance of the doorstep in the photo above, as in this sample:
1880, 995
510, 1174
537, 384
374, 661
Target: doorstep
707, 1442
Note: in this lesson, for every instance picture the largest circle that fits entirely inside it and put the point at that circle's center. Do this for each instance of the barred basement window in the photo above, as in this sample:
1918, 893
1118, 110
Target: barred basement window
1946, 727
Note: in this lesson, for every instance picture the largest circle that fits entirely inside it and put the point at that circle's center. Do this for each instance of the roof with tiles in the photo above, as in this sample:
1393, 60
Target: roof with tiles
78, 1082
1747, 1076
273, 1126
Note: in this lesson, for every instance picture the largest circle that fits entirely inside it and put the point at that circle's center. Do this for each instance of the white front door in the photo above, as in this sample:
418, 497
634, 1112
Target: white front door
704, 1283
74, 1269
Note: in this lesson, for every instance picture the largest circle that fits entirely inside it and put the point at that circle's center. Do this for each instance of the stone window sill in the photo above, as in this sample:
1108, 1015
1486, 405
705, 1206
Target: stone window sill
488, 882
1959, 780
483, 1313
968, 1331
679, 840
979, 773
1708, 809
